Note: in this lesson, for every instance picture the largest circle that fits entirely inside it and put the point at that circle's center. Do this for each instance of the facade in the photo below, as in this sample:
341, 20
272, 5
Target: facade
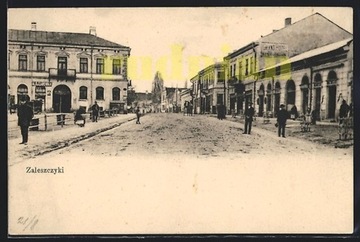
318, 79
171, 99
195, 83
244, 65
67, 70
208, 88
185, 96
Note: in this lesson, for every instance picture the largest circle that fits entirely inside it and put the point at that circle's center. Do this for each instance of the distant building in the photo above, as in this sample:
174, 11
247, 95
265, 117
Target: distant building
67, 70
171, 99
208, 88
185, 96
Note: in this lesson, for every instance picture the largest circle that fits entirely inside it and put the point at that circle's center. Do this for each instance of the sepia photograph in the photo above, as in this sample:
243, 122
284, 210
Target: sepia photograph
180, 120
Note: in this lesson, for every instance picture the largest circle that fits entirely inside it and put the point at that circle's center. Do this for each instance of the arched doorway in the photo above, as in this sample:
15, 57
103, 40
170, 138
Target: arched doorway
331, 85
277, 97
268, 97
305, 93
261, 100
22, 90
317, 87
62, 99
290, 94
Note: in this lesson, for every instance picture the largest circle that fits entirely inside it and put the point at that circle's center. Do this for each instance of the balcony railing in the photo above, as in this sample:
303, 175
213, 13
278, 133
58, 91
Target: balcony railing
62, 74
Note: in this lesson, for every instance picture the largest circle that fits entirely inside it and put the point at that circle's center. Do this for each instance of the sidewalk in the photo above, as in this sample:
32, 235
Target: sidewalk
41, 142
326, 133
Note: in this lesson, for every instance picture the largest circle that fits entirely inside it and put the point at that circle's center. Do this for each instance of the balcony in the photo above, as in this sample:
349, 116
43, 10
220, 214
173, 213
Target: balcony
62, 74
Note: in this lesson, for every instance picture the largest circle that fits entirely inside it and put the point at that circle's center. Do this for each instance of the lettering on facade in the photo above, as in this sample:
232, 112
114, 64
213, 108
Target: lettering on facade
273, 49
40, 83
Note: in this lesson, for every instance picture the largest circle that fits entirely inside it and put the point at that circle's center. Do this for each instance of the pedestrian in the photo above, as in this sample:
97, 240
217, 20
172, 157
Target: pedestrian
25, 114
79, 118
249, 114
95, 112
138, 114
294, 112
344, 110
282, 116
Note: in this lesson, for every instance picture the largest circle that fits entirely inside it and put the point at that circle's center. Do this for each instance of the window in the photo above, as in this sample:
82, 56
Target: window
116, 94
234, 69
240, 69
221, 76
251, 65
231, 71
83, 92
62, 63
40, 63
83, 65
246, 67
277, 70
100, 66
100, 93
116, 66
62, 66
22, 62
220, 99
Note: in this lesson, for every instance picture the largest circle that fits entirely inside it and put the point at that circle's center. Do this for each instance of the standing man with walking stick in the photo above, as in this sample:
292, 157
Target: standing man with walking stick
25, 114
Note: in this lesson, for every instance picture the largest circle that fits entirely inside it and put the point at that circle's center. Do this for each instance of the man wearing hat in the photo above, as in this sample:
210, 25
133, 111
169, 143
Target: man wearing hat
249, 114
282, 116
25, 114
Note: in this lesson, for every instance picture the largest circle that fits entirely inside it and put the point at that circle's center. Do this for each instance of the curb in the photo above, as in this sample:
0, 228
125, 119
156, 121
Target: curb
68, 142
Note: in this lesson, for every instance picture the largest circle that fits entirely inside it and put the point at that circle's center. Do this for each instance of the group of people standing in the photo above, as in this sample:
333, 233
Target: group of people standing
282, 116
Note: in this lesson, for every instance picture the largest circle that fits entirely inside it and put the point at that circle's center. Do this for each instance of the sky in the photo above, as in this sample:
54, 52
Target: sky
178, 42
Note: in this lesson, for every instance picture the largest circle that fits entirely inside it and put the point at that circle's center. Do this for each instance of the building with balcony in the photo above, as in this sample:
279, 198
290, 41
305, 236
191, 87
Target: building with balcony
67, 70
244, 66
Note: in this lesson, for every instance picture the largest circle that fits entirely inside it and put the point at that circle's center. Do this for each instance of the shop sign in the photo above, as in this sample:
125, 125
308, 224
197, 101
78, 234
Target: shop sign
40, 83
273, 49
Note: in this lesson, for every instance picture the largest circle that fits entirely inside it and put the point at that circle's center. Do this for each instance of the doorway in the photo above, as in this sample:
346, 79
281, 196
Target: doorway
62, 99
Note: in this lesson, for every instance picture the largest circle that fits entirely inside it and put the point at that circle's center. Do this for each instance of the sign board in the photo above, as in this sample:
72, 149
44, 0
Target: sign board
273, 49
42, 83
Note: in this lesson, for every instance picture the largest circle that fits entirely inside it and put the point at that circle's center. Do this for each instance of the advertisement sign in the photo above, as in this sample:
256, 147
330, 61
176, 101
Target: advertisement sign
273, 49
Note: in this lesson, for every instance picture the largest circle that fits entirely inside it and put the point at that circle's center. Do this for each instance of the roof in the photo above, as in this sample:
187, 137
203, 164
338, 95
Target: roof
312, 53
306, 34
47, 37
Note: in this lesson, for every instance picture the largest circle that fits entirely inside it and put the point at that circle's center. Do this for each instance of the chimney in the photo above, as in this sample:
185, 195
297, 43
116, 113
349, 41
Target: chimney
287, 22
92, 30
33, 26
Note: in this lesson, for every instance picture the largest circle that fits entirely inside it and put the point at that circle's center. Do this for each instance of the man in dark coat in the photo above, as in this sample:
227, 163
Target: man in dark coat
249, 114
95, 112
282, 116
138, 114
25, 114
344, 110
